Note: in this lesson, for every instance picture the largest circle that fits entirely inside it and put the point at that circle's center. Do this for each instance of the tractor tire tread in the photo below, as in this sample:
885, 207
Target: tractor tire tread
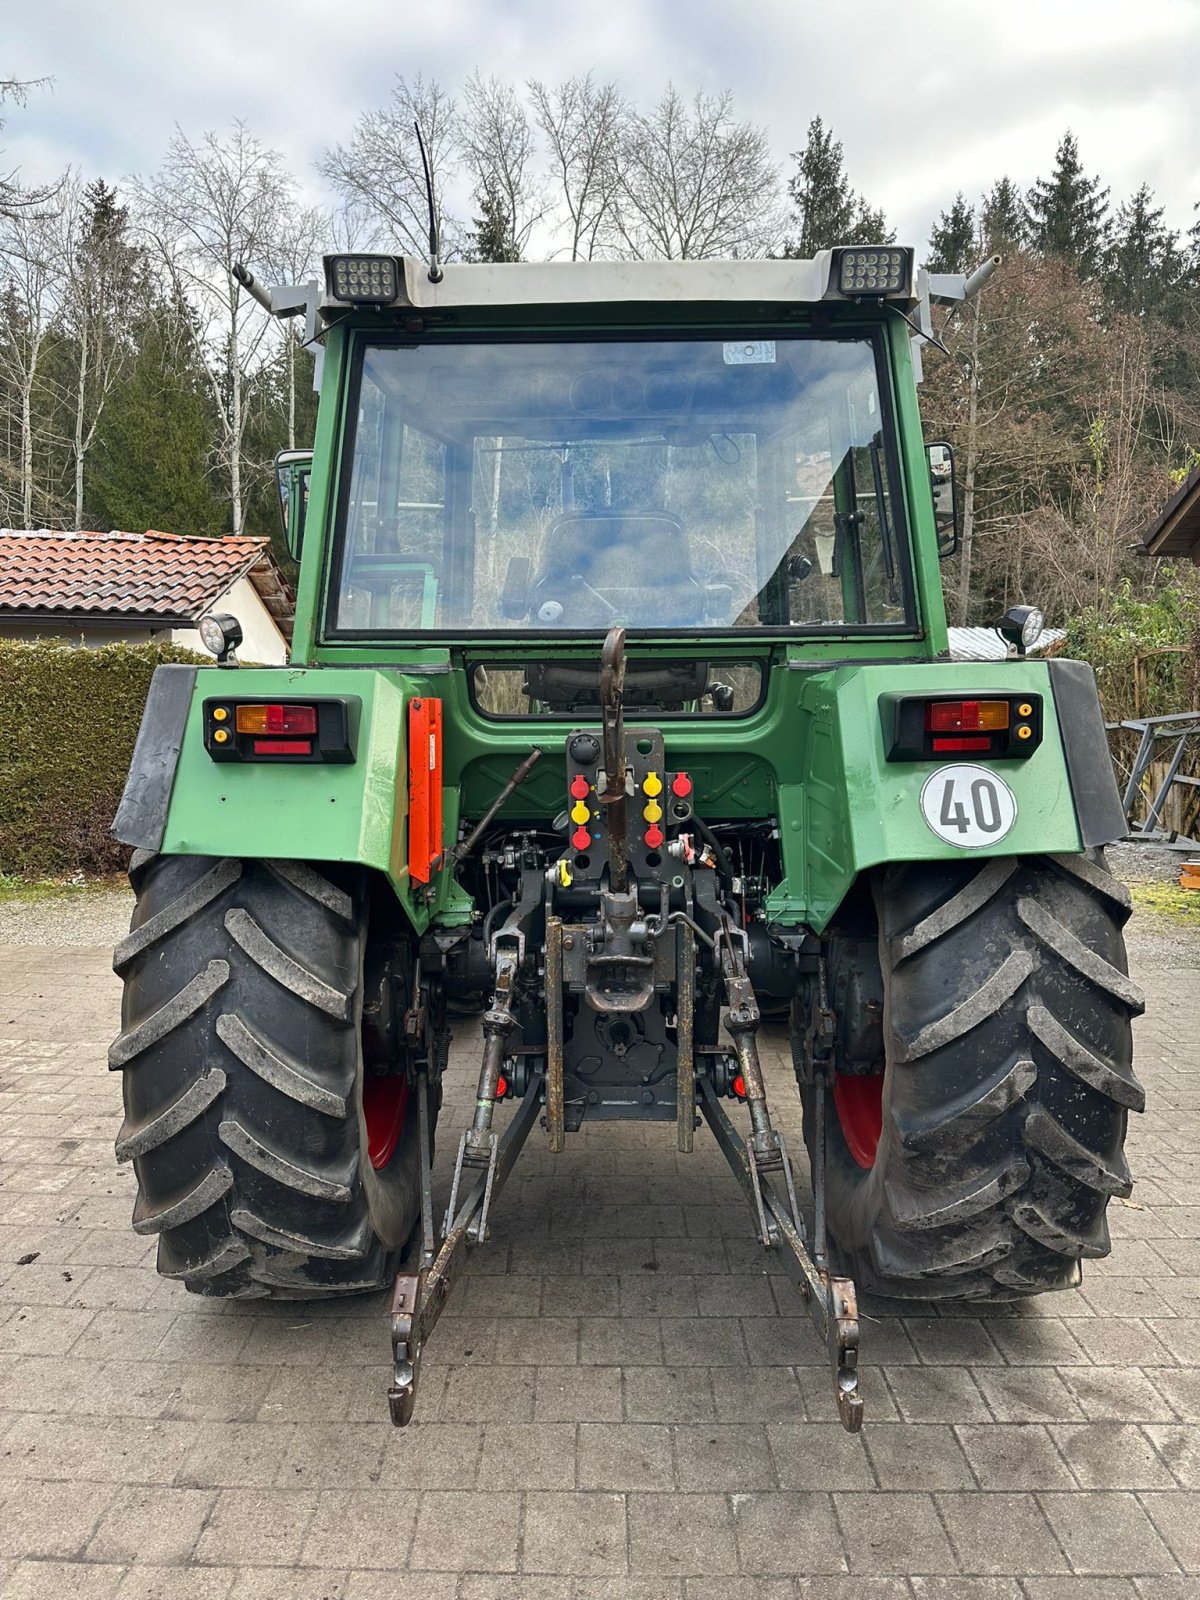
256, 1152
1008, 1011
285, 969
240, 1056
172, 1014
136, 1139
275, 1067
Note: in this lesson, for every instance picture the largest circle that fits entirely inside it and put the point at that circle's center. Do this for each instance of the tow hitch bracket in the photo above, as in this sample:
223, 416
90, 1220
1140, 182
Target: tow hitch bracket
418, 1298
832, 1301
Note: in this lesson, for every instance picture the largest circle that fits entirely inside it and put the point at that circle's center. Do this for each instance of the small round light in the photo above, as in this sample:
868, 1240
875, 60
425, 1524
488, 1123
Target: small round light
220, 714
212, 635
220, 634
221, 736
1025, 709
1024, 732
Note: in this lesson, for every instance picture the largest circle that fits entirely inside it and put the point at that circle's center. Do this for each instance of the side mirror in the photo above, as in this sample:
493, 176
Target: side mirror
944, 487
292, 471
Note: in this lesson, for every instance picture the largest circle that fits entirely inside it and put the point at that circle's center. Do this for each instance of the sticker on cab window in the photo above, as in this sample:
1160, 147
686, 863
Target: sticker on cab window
748, 352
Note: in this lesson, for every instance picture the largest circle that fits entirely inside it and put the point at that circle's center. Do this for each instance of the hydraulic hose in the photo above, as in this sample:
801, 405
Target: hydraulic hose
724, 864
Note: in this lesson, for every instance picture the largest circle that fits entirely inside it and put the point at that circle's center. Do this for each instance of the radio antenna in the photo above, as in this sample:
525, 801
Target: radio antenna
435, 236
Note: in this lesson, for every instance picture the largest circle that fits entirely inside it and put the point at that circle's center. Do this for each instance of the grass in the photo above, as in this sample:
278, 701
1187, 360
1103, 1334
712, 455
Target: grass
17, 890
1181, 906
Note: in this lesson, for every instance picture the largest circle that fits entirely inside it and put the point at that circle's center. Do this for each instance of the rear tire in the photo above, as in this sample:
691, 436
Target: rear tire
243, 1081
1002, 1106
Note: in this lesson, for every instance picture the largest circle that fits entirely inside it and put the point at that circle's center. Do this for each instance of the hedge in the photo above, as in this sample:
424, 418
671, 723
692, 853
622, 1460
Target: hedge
68, 721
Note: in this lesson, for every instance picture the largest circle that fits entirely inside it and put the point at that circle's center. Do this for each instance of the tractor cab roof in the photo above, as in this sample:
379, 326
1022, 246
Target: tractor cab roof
858, 275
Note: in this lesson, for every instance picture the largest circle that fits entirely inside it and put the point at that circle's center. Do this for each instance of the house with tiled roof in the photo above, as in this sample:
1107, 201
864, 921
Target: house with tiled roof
102, 588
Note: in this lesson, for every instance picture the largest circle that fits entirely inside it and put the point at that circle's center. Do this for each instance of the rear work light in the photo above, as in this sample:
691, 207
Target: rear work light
319, 728
922, 727
873, 271
362, 280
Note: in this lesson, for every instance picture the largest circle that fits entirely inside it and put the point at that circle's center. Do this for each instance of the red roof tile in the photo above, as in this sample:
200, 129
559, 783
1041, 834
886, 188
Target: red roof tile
135, 574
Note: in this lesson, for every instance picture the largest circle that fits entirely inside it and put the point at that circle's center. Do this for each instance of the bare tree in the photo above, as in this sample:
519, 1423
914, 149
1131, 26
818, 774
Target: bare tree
294, 259
582, 122
496, 141
353, 225
30, 302
14, 198
212, 204
381, 166
693, 182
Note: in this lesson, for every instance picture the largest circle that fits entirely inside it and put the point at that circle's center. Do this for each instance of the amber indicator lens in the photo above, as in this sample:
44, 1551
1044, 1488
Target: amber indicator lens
966, 716
276, 719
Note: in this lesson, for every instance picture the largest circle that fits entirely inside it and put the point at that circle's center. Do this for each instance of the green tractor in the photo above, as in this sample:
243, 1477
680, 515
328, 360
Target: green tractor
621, 710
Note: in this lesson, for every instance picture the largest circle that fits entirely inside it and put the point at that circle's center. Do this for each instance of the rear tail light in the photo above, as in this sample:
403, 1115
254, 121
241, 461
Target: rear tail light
317, 729
923, 727
282, 747
280, 717
951, 743
966, 716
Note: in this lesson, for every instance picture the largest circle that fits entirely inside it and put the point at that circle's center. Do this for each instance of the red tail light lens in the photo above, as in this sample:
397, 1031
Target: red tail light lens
276, 719
966, 716
946, 744
283, 747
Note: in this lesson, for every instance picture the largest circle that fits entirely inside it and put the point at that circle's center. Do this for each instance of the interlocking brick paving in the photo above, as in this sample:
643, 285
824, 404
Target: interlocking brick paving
619, 1400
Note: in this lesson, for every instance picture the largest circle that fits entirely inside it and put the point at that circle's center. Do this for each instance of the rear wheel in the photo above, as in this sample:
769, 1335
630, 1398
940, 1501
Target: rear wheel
980, 1160
269, 1162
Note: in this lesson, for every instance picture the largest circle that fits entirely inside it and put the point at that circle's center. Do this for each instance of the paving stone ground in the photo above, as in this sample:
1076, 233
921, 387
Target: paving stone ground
619, 1403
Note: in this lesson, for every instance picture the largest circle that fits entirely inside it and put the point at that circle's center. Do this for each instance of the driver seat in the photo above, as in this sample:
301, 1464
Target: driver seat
636, 561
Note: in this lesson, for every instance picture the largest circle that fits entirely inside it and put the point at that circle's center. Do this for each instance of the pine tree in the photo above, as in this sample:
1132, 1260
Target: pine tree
1144, 264
1067, 212
952, 238
1002, 217
151, 466
492, 237
828, 211
106, 219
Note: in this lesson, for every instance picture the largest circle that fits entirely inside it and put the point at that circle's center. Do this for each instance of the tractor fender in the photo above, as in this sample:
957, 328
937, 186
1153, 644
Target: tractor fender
141, 817
1098, 808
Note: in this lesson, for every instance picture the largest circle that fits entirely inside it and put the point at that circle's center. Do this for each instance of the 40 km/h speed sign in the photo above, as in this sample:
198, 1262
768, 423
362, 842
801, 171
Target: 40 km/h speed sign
968, 806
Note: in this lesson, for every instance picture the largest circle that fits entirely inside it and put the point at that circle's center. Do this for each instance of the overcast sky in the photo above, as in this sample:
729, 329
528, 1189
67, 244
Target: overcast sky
926, 99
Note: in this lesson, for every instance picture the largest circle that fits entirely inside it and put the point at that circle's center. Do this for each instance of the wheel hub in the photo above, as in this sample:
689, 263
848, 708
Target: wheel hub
385, 1105
858, 1101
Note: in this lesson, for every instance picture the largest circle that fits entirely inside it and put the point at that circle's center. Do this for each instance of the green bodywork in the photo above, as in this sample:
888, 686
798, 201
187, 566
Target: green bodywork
811, 755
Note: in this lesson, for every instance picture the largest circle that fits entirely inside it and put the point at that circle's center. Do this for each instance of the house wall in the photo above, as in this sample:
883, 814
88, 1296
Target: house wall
262, 641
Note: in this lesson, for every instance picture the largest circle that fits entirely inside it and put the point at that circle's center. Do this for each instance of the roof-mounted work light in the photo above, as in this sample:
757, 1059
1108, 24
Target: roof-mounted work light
873, 271
363, 280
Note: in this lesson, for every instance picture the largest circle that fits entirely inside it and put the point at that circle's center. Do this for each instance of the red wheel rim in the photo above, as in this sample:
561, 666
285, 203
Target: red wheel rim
385, 1101
859, 1105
